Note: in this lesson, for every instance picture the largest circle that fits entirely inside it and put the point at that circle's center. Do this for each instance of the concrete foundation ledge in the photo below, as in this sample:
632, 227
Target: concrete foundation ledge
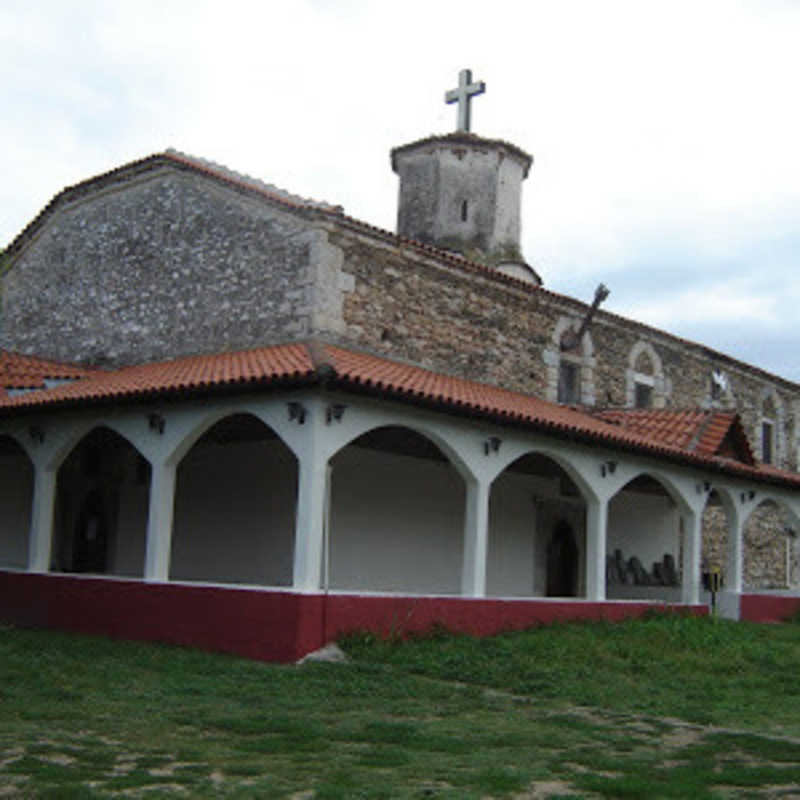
270, 624
778, 606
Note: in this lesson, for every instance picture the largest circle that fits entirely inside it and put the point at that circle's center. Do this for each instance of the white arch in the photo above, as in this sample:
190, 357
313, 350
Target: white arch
584, 359
79, 432
769, 394
567, 323
673, 489
204, 423
634, 376
448, 448
728, 501
779, 501
560, 458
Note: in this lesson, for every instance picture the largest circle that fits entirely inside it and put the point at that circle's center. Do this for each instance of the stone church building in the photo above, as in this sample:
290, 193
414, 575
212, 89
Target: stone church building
240, 419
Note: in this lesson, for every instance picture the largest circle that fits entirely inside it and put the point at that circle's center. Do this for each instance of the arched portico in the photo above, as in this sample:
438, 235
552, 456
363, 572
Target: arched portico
537, 530
235, 505
101, 502
16, 499
652, 541
396, 514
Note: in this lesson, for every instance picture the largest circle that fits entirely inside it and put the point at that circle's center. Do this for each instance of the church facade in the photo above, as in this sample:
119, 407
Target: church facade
241, 419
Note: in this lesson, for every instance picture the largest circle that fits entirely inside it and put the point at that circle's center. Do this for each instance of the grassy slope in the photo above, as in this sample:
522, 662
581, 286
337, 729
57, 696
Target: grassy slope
82, 717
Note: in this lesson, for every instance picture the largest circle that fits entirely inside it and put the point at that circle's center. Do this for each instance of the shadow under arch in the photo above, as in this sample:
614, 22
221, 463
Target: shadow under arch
427, 432
396, 521
770, 531
235, 505
644, 540
206, 423
537, 529
102, 501
16, 498
76, 436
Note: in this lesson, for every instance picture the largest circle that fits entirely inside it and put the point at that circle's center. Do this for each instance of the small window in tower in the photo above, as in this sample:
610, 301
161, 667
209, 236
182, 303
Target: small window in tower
464, 211
644, 395
568, 375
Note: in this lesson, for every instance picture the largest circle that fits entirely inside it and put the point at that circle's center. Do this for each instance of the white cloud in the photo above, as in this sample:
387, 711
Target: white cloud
657, 127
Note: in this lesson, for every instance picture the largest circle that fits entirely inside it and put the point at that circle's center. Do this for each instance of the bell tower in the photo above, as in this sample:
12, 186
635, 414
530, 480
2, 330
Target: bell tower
462, 192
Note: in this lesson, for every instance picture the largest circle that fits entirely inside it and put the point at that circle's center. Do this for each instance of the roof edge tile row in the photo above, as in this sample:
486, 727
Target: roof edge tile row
317, 362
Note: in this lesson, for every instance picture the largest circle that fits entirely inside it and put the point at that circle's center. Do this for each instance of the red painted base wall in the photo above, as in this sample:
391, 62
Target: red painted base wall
268, 625
768, 607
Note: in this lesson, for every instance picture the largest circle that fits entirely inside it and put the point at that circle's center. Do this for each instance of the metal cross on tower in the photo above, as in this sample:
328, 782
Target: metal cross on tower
463, 95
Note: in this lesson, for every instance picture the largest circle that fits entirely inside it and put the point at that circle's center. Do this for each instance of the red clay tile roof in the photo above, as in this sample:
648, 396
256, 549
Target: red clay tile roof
316, 362
185, 375
705, 432
28, 372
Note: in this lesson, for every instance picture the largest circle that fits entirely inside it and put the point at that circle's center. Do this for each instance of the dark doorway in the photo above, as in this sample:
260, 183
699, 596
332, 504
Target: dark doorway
562, 562
102, 502
90, 547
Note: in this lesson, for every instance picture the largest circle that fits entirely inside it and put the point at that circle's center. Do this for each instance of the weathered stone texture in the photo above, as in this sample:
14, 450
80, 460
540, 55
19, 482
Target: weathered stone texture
445, 319
408, 307
715, 539
765, 546
164, 266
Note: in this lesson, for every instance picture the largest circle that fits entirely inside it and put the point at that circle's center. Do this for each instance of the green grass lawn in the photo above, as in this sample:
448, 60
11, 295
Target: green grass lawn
665, 707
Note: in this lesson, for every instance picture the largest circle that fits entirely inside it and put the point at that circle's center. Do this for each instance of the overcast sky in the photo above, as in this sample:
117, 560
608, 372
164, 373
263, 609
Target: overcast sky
665, 135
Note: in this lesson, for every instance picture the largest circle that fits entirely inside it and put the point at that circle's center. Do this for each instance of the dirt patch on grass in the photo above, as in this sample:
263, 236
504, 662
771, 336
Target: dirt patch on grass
542, 790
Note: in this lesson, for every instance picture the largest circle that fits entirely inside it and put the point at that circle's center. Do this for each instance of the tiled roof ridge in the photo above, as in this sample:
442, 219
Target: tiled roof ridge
336, 215
248, 180
702, 428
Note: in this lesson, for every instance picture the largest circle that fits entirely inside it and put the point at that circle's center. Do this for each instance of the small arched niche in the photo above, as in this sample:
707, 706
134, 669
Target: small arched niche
396, 516
16, 498
531, 505
235, 506
102, 500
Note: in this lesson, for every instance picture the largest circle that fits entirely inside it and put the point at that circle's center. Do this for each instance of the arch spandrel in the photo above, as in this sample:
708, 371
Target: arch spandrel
578, 468
191, 431
77, 433
458, 453
680, 490
791, 509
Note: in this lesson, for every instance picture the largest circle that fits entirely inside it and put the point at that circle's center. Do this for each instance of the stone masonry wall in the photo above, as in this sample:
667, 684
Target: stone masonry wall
169, 265
408, 307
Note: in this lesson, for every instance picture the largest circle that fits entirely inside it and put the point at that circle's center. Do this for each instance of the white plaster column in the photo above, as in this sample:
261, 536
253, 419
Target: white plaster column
692, 548
734, 567
40, 543
312, 505
476, 536
159, 522
596, 525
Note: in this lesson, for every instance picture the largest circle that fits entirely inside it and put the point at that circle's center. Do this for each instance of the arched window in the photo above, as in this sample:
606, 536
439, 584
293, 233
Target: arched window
770, 428
645, 386
570, 365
